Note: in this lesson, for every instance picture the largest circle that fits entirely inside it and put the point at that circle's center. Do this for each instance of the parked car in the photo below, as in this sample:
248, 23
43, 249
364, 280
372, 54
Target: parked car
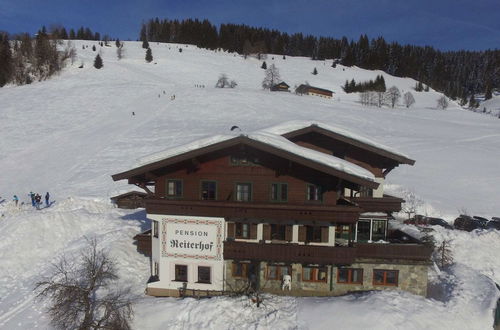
493, 224
467, 223
421, 220
481, 220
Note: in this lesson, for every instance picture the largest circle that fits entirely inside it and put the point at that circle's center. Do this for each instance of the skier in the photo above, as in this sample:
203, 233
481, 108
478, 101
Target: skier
15, 199
38, 201
47, 197
32, 195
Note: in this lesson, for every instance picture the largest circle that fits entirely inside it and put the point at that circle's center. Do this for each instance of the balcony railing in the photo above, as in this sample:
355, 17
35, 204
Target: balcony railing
378, 204
324, 254
269, 211
288, 253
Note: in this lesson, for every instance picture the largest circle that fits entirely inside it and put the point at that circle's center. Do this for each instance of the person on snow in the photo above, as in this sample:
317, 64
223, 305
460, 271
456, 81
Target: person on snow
38, 201
32, 195
15, 199
47, 197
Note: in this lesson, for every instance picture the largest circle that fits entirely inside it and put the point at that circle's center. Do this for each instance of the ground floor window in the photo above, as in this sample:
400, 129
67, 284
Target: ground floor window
385, 277
204, 274
276, 272
181, 273
314, 274
240, 269
350, 275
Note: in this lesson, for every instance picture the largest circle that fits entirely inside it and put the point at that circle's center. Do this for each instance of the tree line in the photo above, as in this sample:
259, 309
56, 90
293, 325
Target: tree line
458, 74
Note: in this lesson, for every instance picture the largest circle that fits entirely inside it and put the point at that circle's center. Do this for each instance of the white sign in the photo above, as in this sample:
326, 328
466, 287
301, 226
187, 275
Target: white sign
192, 238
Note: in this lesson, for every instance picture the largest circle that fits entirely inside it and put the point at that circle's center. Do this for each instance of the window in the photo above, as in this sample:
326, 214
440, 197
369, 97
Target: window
314, 274
181, 272
208, 190
363, 231
313, 192
240, 269
378, 230
174, 188
385, 277
243, 192
276, 272
156, 269
155, 228
365, 192
342, 232
279, 192
278, 232
350, 275
204, 274
313, 233
242, 230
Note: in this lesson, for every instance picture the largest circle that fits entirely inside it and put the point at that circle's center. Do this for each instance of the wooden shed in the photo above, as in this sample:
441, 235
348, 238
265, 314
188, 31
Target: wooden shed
281, 87
130, 200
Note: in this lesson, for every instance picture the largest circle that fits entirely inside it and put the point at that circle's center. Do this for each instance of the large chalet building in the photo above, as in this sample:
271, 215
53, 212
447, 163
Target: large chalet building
301, 203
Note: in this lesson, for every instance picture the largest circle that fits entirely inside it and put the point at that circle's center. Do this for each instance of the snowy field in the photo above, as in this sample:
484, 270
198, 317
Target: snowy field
67, 135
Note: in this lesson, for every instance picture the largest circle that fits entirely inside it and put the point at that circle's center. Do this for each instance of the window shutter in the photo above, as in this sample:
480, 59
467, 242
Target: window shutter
288, 233
302, 233
230, 230
253, 231
324, 234
267, 232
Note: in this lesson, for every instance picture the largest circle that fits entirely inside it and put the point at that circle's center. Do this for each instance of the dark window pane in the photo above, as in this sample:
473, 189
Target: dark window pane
363, 231
391, 277
208, 190
284, 192
378, 276
203, 274
342, 275
181, 273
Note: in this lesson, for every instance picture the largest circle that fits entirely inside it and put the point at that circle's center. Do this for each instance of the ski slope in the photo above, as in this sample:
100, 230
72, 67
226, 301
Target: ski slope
67, 135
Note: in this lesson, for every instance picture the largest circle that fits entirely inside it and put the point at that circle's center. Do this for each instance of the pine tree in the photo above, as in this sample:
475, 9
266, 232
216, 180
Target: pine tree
93, 48
98, 62
264, 65
145, 44
315, 71
149, 55
488, 94
5, 59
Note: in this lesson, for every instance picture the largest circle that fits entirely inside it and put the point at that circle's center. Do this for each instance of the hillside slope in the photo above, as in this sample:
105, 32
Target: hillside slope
67, 135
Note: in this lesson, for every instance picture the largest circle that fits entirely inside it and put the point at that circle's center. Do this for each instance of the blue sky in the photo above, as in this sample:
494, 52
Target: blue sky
444, 24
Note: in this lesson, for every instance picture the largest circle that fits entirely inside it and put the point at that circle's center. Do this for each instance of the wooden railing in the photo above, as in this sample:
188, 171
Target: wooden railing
288, 253
268, 211
324, 254
378, 204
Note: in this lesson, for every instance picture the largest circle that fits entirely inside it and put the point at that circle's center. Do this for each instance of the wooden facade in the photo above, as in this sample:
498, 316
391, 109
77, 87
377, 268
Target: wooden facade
311, 90
281, 87
130, 200
279, 206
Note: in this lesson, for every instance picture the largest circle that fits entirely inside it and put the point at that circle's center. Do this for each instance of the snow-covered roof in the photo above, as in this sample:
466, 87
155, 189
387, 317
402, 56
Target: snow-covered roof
270, 139
296, 125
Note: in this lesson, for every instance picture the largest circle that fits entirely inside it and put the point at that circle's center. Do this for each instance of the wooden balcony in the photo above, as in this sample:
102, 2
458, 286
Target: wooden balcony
289, 253
324, 254
243, 210
378, 204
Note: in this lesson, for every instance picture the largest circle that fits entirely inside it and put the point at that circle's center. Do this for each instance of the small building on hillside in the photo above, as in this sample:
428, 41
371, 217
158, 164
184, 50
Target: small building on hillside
130, 200
300, 205
311, 90
281, 87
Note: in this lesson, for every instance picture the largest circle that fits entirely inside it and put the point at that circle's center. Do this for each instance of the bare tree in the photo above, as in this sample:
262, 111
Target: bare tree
223, 81
411, 204
442, 102
272, 77
81, 293
408, 99
393, 95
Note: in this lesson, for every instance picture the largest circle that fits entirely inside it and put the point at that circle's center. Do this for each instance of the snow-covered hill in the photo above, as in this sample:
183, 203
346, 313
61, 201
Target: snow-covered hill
67, 135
